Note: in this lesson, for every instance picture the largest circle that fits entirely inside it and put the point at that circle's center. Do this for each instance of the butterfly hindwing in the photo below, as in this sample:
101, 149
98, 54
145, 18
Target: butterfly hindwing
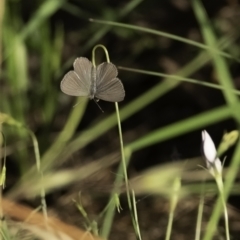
109, 87
112, 91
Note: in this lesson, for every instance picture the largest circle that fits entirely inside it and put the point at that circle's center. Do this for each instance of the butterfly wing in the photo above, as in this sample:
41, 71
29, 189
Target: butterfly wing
78, 82
109, 87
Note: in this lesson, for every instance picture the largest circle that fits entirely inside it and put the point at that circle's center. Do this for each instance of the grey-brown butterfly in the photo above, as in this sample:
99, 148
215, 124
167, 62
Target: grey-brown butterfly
99, 82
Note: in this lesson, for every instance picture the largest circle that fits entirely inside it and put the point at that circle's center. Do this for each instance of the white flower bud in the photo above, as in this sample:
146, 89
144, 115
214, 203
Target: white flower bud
210, 154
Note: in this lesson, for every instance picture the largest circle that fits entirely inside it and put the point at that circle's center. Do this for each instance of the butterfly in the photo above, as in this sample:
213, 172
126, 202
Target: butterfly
99, 82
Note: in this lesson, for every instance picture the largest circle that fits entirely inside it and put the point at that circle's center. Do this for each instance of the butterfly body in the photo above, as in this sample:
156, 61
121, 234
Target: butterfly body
93, 87
99, 82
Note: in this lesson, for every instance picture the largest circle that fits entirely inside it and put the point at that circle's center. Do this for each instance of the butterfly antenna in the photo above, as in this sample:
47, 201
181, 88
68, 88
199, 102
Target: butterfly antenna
98, 105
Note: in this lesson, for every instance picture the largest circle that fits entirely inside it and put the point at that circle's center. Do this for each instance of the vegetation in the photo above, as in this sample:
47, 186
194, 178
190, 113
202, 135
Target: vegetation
53, 147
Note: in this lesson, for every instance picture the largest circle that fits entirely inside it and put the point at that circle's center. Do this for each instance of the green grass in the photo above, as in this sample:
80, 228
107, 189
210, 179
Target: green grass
33, 103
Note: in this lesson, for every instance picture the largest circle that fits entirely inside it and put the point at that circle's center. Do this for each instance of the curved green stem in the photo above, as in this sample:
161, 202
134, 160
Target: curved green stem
93, 53
124, 165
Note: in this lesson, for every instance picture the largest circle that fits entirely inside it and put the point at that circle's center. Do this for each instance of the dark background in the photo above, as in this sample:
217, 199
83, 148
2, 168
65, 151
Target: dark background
139, 50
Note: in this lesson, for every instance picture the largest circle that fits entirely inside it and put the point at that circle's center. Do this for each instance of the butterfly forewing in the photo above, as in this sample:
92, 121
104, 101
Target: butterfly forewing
83, 67
72, 85
78, 82
109, 88
105, 72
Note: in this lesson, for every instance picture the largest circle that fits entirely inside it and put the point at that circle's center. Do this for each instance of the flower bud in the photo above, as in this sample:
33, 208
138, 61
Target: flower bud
210, 154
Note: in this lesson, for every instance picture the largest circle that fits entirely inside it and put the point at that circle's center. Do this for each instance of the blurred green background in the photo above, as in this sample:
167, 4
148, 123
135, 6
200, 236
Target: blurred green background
162, 117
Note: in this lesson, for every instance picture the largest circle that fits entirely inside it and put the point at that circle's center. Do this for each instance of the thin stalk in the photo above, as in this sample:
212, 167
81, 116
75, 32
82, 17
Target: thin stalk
123, 157
164, 34
180, 78
123, 162
2, 165
173, 204
124, 165
221, 191
2, 7
119, 126
199, 216
135, 215
38, 164
107, 222
169, 226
